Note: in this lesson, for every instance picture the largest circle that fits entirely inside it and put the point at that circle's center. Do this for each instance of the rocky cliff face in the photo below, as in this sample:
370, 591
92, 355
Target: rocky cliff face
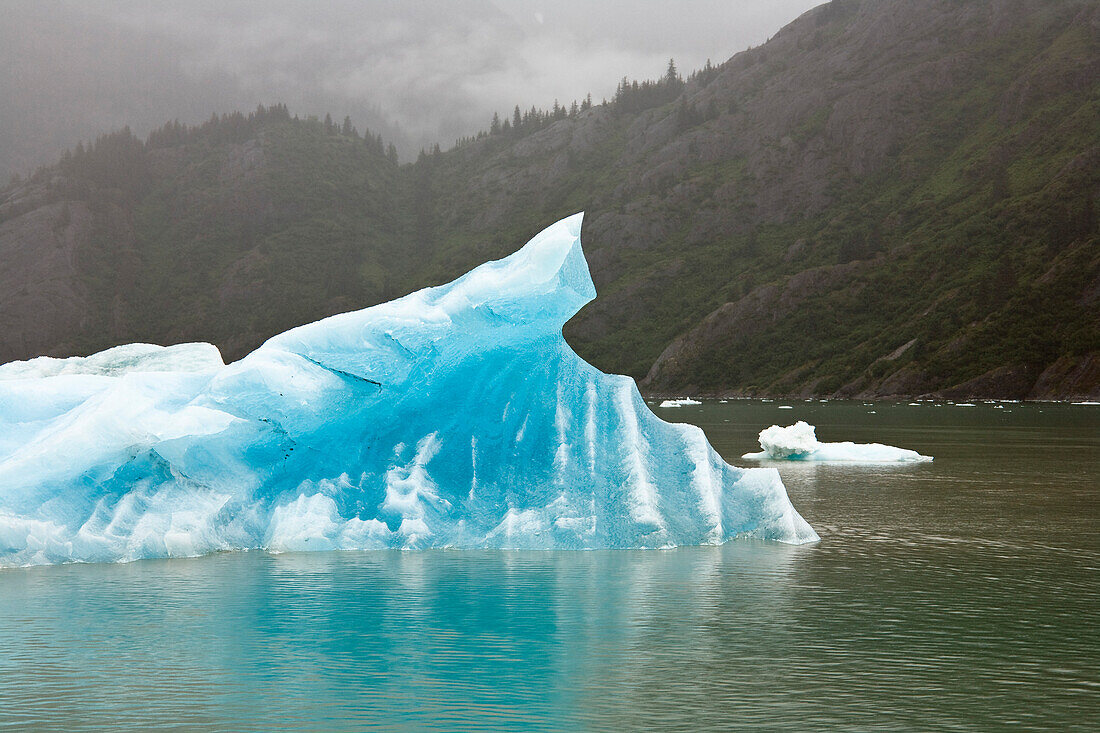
888, 197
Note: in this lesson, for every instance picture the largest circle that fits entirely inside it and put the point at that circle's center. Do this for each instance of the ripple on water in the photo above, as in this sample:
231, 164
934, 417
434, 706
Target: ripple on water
960, 595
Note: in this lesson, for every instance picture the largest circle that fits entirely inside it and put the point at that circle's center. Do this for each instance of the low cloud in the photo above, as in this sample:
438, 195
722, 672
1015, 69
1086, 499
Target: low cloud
419, 72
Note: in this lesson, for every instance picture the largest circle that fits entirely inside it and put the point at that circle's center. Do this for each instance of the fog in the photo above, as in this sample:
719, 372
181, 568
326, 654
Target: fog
417, 72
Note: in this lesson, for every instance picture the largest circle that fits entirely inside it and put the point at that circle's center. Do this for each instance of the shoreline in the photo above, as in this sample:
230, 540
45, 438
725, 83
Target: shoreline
1084, 401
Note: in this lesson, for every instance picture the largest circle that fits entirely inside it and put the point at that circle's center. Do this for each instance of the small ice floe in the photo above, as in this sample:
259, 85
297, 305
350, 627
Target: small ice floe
784, 407
680, 402
799, 442
914, 404
1086, 402
965, 404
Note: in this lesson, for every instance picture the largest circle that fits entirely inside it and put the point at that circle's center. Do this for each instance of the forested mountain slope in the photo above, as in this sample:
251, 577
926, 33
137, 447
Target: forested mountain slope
888, 197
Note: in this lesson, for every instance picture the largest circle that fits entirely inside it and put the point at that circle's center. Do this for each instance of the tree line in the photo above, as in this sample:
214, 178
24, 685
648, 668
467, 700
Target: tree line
117, 158
631, 97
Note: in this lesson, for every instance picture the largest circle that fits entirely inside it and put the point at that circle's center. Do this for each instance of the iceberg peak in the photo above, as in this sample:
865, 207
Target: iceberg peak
547, 277
527, 295
456, 416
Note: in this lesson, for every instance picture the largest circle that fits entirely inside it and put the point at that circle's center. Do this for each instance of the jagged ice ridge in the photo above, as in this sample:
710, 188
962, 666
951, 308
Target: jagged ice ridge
456, 416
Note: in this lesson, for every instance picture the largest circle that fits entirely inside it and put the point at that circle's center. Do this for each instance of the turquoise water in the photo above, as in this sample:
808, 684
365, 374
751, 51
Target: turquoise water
960, 594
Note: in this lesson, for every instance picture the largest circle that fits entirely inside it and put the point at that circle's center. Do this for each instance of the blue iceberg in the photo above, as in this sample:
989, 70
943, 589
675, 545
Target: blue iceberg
455, 417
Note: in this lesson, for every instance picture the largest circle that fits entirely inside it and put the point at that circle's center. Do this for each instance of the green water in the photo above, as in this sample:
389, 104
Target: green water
956, 595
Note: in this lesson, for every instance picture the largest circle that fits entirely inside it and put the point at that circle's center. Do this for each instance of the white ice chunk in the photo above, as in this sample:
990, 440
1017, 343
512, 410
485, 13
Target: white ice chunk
680, 402
796, 441
799, 442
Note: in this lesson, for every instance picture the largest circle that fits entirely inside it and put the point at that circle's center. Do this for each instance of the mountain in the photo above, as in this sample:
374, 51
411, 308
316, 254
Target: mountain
887, 198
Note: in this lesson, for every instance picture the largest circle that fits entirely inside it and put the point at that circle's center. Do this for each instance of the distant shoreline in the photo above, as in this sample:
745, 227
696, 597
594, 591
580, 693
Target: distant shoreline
1082, 401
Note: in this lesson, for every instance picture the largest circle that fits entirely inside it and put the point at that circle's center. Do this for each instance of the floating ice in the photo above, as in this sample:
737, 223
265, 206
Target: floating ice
799, 442
456, 416
680, 402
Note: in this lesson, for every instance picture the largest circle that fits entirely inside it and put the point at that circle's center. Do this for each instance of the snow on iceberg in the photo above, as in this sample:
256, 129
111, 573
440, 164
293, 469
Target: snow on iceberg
456, 416
119, 360
799, 442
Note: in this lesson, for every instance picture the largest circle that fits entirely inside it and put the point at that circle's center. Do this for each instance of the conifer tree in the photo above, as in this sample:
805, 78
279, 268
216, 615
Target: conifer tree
671, 75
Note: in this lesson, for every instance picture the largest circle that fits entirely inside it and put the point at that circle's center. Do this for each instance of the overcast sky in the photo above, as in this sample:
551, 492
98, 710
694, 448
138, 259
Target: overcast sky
418, 71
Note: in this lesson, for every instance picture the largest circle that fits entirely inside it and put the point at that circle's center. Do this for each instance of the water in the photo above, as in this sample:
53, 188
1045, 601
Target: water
960, 594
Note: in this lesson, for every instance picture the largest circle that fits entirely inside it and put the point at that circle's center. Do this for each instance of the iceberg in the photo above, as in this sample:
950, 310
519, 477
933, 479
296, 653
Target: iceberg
680, 402
799, 442
454, 417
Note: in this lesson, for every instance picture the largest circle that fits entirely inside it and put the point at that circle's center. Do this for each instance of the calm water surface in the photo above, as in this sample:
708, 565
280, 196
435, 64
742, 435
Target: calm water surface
960, 594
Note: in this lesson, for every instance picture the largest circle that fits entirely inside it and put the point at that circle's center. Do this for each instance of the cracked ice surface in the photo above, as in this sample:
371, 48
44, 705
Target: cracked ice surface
456, 416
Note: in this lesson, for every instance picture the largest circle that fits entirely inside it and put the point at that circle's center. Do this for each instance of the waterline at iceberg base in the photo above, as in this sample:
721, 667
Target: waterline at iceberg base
456, 416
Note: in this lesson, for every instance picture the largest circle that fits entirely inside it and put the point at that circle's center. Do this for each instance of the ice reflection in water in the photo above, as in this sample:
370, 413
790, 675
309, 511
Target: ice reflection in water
432, 639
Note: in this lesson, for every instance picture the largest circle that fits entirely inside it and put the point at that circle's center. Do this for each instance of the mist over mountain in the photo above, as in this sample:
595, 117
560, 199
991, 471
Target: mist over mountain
421, 72
887, 198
